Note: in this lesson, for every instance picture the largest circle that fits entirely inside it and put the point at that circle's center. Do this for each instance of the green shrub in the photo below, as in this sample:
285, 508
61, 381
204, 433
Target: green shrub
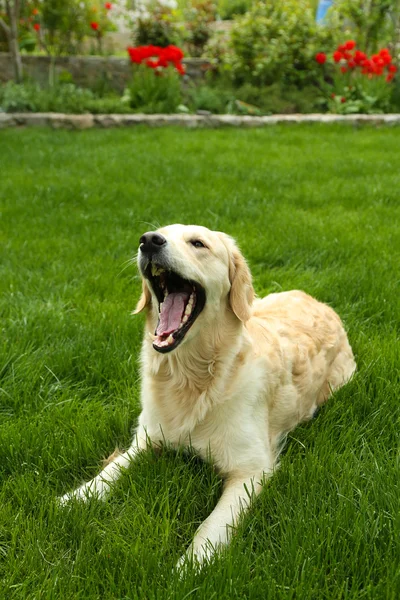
253, 100
371, 24
16, 97
395, 99
157, 28
154, 92
198, 16
64, 98
228, 9
278, 99
277, 41
214, 99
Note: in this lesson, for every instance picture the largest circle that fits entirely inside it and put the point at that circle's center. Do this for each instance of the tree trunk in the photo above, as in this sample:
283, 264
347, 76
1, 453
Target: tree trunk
14, 50
11, 31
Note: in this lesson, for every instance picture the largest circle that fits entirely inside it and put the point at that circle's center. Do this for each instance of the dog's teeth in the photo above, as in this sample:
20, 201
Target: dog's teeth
188, 310
153, 337
185, 319
161, 305
170, 339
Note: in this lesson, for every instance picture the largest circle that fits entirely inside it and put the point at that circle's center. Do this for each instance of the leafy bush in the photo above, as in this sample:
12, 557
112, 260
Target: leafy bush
228, 9
151, 92
156, 28
66, 98
370, 23
213, 99
199, 15
276, 41
279, 99
253, 100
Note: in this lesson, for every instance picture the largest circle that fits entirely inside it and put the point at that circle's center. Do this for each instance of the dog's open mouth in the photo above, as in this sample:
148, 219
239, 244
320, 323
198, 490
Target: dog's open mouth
180, 303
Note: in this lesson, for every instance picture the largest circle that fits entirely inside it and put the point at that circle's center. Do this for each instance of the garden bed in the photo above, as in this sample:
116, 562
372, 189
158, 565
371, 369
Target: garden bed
87, 121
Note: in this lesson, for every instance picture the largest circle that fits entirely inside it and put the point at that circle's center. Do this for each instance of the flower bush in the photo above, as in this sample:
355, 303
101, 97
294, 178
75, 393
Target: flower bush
356, 83
155, 85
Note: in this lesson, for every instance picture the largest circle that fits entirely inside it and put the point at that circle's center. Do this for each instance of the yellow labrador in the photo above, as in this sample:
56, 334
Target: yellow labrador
223, 371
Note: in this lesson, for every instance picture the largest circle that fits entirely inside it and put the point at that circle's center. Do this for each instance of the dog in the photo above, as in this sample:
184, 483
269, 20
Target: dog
222, 371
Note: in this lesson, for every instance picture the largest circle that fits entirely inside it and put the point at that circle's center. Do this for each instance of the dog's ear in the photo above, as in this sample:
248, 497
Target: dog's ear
144, 299
242, 292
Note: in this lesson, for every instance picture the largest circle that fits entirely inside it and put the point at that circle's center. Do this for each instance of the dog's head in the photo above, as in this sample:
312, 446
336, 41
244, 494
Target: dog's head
191, 277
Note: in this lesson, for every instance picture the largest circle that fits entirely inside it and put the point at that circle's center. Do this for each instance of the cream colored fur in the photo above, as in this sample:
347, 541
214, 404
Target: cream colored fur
248, 371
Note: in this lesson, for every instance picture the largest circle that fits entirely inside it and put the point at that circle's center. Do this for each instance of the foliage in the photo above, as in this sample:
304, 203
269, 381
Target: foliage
63, 98
276, 41
154, 91
356, 83
64, 25
370, 22
156, 27
210, 98
253, 100
228, 9
59, 27
198, 16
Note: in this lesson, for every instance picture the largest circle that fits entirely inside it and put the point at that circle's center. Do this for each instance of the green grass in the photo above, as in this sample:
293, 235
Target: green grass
313, 207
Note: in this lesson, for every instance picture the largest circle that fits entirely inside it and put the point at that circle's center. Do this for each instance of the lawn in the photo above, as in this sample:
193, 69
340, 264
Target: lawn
312, 207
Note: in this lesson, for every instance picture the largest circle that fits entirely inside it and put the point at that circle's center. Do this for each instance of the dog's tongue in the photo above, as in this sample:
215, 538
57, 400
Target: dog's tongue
172, 312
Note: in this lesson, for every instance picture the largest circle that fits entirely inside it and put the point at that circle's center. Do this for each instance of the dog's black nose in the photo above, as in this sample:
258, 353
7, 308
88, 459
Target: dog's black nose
151, 242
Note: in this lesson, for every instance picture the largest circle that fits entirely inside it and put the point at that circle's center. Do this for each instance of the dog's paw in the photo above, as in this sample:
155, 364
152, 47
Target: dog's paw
193, 560
93, 489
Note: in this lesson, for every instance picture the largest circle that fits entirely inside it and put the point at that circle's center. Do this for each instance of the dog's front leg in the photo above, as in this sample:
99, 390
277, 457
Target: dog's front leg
216, 530
101, 484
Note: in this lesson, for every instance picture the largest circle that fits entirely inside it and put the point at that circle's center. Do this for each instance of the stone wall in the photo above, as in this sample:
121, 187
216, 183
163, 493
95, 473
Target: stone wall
61, 121
87, 71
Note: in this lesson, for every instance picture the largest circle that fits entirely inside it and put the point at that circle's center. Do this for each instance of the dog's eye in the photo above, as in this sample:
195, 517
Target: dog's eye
197, 244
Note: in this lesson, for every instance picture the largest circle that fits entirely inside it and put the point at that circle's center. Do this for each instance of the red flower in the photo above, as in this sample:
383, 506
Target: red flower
169, 55
162, 62
343, 69
392, 69
333, 95
36, 27
359, 57
337, 56
35, 11
352, 64
350, 44
320, 58
342, 48
135, 55
389, 77
342, 99
180, 68
94, 25
173, 53
108, 6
